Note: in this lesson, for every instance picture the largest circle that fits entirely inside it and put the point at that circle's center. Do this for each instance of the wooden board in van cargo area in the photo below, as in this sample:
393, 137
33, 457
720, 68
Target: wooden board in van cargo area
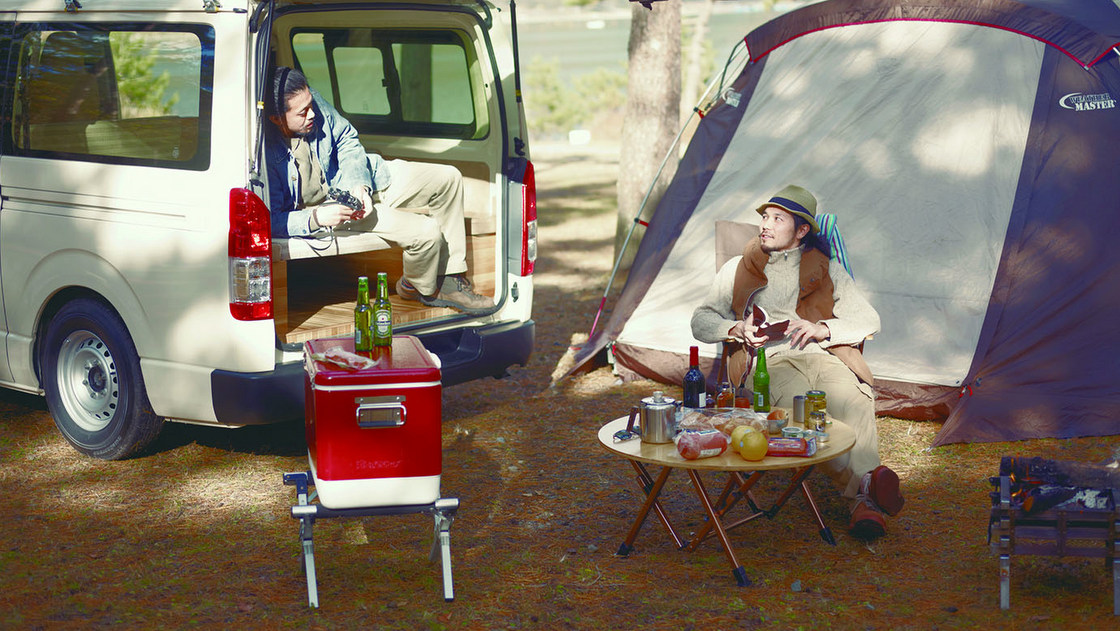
319, 293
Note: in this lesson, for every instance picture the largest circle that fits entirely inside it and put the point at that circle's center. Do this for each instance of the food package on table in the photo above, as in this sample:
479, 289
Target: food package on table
702, 443
724, 420
804, 447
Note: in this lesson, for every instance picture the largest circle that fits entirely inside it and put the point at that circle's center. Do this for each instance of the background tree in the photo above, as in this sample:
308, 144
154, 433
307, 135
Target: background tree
142, 91
652, 115
698, 43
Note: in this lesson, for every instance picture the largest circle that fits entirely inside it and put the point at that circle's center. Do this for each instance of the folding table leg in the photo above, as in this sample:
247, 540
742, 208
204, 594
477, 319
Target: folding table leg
646, 482
651, 499
736, 568
825, 531
741, 488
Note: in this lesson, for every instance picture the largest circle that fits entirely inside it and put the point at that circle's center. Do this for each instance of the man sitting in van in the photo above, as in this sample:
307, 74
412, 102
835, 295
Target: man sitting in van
313, 150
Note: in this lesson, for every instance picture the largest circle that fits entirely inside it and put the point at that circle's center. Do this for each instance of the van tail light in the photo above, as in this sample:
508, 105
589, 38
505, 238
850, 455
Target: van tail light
250, 256
528, 220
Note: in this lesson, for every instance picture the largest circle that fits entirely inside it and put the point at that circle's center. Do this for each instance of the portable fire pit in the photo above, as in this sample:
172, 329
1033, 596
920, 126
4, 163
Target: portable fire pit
1054, 508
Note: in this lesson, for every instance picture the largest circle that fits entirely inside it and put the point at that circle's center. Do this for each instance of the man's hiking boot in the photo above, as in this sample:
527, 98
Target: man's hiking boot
867, 522
881, 486
455, 292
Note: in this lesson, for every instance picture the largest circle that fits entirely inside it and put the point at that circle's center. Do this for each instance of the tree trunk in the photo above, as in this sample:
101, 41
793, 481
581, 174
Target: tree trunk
692, 81
653, 96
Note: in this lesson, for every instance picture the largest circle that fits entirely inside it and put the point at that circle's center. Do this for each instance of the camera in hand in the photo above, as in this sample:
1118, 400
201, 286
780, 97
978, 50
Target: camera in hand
348, 200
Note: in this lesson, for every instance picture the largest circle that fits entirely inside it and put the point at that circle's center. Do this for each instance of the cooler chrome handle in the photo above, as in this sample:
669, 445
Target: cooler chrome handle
375, 412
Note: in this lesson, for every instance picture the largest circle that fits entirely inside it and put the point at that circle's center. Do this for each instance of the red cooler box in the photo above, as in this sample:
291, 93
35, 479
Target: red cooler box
373, 434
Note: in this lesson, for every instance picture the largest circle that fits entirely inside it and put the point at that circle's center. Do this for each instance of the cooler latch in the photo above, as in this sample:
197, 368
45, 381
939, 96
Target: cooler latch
386, 411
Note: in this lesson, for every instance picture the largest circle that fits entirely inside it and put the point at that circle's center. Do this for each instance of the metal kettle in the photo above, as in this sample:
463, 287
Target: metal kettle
657, 417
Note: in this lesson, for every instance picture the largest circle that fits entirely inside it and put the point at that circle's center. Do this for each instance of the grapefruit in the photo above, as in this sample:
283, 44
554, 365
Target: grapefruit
737, 435
753, 445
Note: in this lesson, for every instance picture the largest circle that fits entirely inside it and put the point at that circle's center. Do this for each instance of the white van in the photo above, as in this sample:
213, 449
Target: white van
138, 279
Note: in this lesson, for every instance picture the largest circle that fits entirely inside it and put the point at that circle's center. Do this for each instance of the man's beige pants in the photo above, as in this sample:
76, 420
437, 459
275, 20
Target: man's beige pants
848, 399
422, 212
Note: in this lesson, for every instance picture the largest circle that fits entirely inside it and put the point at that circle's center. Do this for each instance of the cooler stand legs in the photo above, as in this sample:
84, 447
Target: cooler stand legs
305, 513
442, 511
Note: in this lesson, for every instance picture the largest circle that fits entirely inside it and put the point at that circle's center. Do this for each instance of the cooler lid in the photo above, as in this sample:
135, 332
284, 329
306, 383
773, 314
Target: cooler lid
406, 362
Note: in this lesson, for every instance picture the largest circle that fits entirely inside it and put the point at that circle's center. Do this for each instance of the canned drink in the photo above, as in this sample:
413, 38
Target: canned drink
814, 402
799, 409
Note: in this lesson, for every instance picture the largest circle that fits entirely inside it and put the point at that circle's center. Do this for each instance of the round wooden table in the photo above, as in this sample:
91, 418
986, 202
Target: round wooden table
639, 454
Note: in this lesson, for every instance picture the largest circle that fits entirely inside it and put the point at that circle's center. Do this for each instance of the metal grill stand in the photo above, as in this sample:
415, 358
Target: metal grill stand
442, 510
1064, 530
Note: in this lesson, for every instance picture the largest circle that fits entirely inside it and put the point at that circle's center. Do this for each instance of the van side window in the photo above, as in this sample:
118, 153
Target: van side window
400, 83
124, 93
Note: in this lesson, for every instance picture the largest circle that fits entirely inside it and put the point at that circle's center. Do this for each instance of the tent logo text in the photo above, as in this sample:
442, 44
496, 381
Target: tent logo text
1084, 102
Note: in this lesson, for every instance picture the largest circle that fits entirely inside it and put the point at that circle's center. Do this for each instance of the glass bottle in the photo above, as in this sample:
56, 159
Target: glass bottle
761, 383
362, 317
694, 395
726, 396
382, 313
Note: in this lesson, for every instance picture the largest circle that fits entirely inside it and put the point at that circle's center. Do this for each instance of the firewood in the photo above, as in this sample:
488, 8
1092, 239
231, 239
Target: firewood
1061, 472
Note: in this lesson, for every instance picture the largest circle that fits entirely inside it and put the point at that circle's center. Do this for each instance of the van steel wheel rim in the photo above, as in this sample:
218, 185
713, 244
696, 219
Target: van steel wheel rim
87, 381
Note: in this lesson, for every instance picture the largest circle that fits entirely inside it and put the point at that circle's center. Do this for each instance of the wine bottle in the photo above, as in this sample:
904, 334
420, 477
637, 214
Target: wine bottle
694, 394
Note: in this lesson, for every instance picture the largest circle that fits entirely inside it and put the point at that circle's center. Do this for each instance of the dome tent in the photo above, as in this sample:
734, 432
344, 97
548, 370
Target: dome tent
971, 153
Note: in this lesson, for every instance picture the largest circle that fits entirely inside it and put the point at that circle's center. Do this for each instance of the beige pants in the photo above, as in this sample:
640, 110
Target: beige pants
848, 399
421, 212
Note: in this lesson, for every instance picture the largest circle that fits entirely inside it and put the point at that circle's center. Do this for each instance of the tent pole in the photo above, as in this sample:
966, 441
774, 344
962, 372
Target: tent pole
649, 191
637, 220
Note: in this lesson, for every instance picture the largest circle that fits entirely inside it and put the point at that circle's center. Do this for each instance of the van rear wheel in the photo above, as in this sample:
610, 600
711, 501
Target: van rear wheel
94, 388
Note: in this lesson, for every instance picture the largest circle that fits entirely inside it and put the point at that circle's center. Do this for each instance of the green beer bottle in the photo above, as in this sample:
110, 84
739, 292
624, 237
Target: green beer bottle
382, 313
761, 383
362, 317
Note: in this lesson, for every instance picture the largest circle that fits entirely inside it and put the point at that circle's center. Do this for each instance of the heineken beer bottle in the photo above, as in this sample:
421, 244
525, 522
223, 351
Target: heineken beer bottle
382, 313
363, 317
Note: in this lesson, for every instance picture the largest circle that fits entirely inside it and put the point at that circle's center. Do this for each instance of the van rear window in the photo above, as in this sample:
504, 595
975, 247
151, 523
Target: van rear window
400, 83
116, 93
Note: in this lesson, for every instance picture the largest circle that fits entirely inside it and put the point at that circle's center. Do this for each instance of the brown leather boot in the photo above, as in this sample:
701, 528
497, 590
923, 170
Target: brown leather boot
881, 486
866, 522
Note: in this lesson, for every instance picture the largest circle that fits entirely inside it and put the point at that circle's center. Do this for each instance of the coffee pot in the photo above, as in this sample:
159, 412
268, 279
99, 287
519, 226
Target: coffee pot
657, 417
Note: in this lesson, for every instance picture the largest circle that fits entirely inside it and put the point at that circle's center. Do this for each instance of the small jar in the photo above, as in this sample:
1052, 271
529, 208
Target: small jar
725, 398
818, 422
815, 401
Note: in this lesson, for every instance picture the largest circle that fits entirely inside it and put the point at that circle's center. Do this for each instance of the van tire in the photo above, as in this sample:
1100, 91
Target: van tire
93, 384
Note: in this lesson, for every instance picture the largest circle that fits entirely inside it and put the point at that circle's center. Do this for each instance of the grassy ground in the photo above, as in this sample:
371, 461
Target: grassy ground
198, 535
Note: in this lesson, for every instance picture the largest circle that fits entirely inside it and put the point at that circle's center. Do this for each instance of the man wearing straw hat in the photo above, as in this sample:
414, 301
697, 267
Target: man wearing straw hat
786, 271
